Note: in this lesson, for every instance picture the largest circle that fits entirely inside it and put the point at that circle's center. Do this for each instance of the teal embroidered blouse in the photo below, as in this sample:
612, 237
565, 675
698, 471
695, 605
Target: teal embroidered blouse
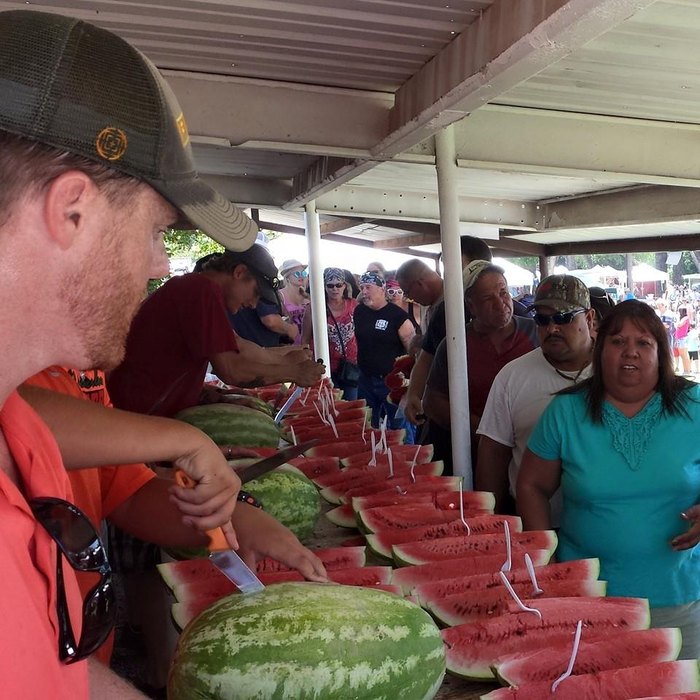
624, 485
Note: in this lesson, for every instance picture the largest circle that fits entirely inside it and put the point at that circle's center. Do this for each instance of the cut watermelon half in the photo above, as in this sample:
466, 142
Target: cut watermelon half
382, 541
410, 577
473, 648
452, 547
619, 650
361, 458
580, 569
476, 605
619, 684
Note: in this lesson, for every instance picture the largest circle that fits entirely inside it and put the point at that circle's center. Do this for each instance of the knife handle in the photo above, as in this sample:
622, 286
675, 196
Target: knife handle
217, 539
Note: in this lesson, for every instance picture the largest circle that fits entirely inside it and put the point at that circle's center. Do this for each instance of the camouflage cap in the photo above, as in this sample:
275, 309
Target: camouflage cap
562, 293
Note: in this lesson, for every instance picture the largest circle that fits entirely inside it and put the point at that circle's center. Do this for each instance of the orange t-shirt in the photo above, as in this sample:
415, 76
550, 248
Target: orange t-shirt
97, 492
29, 663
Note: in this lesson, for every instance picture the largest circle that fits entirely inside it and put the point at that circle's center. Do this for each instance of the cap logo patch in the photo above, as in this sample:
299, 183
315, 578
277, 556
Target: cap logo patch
111, 143
182, 129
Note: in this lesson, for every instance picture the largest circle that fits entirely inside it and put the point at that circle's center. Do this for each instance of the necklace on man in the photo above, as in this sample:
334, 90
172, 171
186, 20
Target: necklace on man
569, 377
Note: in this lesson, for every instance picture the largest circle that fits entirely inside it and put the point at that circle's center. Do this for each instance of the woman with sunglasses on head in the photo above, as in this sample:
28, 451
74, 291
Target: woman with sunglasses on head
342, 345
621, 446
395, 295
294, 296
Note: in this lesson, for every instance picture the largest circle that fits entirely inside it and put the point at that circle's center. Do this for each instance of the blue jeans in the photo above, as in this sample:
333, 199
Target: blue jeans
375, 392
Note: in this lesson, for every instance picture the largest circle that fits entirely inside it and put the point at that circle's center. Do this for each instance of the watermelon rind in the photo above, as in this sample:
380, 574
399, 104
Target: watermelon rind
309, 641
412, 553
665, 678
290, 497
474, 648
629, 648
228, 424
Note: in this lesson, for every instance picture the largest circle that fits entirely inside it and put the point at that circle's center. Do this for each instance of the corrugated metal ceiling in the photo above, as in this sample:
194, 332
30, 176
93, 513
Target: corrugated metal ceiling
337, 100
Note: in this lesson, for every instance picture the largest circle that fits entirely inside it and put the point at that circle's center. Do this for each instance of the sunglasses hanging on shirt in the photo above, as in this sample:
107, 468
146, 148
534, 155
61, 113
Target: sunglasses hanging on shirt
80, 544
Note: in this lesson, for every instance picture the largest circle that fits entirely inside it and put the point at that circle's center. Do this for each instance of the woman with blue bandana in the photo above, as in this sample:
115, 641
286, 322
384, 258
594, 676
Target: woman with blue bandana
383, 331
342, 345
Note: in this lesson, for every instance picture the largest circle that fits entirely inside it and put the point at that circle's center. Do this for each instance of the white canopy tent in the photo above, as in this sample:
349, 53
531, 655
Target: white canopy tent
515, 275
646, 273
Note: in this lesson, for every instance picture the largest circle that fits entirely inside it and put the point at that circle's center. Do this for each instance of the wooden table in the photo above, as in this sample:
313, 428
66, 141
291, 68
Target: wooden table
326, 534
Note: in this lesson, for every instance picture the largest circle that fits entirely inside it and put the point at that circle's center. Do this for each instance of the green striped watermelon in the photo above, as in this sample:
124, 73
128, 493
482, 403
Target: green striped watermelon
227, 424
309, 641
290, 497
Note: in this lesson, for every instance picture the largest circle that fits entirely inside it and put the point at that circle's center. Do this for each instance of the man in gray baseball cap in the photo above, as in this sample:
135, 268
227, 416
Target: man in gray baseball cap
95, 163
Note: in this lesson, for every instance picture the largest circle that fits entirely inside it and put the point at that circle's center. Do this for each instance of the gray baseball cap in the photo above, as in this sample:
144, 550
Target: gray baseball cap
69, 84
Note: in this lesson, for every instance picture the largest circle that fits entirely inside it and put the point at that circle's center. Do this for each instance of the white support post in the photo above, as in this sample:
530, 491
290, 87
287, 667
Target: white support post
318, 296
446, 165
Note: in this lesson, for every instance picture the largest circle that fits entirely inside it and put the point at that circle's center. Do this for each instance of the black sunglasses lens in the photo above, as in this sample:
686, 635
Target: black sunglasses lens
558, 319
99, 616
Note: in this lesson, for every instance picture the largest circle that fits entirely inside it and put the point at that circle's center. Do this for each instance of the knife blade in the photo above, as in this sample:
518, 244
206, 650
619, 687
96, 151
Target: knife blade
266, 465
222, 556
288, 404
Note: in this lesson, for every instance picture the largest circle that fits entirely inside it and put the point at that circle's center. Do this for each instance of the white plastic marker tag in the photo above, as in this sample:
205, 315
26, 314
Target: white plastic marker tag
519, 602
320, 414
461, 508
391, 463
306, 397
364, 423
508, 563
373, 460
332, 422
531, 571
331, 402
382, 447
572, 660
413, 465
294, 437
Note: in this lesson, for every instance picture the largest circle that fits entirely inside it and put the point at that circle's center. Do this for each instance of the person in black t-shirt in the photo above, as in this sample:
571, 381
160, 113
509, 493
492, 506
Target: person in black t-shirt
383, 332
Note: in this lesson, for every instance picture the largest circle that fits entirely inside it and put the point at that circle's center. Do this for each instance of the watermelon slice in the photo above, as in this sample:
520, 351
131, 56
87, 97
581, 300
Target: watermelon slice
630, 648
333, 558
576, 569
351, 414
451, 547
346, 477
421, 454
675, 696
382, 541
473, 648
348, 431
471, 499
298, 410
402, 517
312, 467
420, 481
410, 577
392, 498
341, 449
487, 603
618, 684
342, 516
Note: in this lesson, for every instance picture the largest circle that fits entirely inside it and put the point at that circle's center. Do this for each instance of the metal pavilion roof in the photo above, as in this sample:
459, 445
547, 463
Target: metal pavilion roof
577, 121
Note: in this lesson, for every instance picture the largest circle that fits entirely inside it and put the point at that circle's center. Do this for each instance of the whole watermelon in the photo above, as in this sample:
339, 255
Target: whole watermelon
290, 497
228, 424
309, 640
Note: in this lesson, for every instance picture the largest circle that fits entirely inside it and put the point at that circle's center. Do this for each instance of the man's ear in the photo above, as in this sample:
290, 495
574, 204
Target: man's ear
240, 271
66, 206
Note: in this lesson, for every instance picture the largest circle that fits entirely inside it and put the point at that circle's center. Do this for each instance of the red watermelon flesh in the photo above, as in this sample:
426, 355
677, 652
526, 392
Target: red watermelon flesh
315, 466
427, 481
451, 547
333, 558
298, 410
310, 421
391, 498
470, 499
347, 477
577, 569
675, 696
617, 684
342, 516
473, 648
490, 602
404, 517
620, 650
422, 453
410, 577
347, 431
382, 541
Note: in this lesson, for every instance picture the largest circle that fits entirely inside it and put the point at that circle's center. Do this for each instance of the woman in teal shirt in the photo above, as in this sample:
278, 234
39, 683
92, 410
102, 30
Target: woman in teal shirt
624, 446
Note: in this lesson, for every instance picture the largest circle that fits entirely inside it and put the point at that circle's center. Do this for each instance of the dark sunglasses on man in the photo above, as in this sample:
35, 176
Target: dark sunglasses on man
80, 544
561, 318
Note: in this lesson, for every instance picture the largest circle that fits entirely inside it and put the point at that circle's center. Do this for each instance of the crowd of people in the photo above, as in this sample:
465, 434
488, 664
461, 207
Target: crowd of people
578, 418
